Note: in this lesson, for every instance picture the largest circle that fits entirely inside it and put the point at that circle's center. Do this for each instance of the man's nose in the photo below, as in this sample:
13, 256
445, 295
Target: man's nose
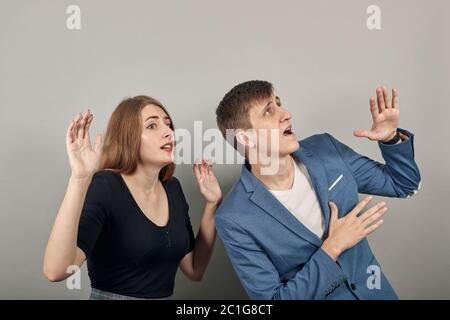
285, 115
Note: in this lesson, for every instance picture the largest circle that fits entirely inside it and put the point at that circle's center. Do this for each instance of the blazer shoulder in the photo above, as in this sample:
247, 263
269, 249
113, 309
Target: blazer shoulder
235, 202
317, 141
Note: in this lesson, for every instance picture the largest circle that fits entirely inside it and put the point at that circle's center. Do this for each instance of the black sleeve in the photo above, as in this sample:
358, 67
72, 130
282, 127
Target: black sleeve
93, 214
191, 234
188, 219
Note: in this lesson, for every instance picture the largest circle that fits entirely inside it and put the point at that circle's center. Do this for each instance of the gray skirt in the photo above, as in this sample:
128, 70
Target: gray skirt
97, 294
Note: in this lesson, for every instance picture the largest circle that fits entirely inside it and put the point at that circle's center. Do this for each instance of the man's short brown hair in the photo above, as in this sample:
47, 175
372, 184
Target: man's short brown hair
232, 112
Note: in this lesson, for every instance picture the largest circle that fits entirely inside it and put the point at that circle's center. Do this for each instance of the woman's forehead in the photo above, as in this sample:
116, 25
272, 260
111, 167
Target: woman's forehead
153, 110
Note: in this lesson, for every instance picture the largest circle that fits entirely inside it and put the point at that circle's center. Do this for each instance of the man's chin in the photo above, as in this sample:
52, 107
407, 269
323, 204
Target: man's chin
290, 148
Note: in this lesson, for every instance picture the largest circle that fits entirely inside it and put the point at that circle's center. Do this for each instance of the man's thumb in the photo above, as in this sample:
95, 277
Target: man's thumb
334, 211
361, 133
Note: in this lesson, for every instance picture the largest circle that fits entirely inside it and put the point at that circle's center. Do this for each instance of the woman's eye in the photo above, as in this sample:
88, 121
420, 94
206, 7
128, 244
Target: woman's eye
279, 103
151, 126
267, 111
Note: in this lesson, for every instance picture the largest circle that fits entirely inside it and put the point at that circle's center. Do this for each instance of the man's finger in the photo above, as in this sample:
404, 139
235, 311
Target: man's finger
357, 209
333, 211
373, 227
373, 108
387, 102
395, 98
374, 217
380, 100
361, 133
372, 211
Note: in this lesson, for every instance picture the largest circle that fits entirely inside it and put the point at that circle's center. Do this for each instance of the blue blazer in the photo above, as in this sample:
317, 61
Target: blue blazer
277, 257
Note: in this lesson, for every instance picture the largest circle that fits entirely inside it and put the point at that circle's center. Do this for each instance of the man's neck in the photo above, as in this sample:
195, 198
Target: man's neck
283, 179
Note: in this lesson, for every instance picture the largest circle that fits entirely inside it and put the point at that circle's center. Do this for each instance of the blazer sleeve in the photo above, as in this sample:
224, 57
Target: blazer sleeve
318, 277
398, 177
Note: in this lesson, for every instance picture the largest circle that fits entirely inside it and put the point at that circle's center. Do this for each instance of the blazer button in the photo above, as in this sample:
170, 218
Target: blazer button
353, 286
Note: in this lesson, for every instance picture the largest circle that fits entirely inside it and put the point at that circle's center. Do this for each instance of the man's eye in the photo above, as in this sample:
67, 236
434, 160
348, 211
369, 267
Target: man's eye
268, 111
279, 103
151, 126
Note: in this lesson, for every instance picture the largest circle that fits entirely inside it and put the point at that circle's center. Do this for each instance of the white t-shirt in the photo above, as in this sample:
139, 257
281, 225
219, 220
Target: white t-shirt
301, 200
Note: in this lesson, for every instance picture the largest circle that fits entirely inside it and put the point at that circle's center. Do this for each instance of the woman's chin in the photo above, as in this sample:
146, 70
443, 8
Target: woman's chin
170, 159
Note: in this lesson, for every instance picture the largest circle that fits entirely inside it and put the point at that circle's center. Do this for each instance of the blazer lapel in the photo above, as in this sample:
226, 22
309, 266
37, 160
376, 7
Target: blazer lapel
319, 180
267, 202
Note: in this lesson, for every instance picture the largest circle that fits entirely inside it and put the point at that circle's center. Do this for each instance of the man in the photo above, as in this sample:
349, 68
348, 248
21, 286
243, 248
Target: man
299, 232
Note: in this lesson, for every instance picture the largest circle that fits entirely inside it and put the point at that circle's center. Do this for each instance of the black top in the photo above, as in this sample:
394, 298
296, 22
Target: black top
126, 252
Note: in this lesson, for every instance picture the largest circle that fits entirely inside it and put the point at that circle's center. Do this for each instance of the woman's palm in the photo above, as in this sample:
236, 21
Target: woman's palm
84, 159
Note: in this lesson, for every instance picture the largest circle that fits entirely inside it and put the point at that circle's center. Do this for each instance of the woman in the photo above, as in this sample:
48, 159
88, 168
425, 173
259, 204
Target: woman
125, 213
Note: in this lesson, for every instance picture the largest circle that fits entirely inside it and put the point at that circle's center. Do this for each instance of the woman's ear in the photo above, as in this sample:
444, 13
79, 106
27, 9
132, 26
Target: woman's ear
243, 138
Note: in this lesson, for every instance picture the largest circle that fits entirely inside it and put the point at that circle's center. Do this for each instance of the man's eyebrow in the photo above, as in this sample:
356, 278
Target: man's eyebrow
270, 101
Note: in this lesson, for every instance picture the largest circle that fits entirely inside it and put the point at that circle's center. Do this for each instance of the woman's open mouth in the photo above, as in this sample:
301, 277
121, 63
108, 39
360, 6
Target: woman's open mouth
168, 147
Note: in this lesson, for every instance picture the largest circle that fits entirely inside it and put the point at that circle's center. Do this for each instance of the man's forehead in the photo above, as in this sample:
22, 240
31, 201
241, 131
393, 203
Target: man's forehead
263, 102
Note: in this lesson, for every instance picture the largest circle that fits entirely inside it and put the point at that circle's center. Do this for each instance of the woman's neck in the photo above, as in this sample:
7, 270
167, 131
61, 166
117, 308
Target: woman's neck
144, 179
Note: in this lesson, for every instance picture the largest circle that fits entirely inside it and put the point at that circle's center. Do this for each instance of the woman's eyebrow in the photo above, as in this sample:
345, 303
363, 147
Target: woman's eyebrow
152, 117
157, 117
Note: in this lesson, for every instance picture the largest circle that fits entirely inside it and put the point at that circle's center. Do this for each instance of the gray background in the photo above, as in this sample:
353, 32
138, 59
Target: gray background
321, 57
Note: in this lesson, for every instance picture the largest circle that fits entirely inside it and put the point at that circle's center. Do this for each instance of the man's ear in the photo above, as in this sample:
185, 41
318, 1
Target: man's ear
243, 138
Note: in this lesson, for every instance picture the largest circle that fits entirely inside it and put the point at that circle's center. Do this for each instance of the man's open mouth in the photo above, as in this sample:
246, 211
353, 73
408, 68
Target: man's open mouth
288, 131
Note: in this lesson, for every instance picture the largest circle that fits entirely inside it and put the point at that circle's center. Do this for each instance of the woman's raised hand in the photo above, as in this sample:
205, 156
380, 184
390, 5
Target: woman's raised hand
84, 159
207, 182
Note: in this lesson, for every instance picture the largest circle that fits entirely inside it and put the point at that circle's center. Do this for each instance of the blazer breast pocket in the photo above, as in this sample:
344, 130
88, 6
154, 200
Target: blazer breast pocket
338, 183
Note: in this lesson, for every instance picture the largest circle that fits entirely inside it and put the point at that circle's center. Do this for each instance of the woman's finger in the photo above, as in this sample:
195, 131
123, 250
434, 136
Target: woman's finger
69, 134
98, 143
76, 122
197, 170
82, 126
202, 168
88, 125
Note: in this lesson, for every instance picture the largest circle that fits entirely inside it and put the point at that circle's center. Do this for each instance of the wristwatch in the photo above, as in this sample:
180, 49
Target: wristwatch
395, 139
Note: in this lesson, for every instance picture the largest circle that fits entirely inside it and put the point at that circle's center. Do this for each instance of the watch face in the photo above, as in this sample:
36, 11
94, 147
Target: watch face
394, 139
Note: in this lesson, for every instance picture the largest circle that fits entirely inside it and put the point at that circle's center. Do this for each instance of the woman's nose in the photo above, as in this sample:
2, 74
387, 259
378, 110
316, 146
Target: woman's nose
168, 133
